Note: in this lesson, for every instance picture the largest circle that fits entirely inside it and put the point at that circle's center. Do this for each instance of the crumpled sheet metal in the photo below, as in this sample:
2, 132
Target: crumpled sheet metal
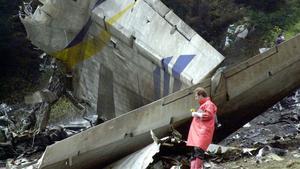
138, 160
279, 122
141, 159
40, 97
228, 151
22, 163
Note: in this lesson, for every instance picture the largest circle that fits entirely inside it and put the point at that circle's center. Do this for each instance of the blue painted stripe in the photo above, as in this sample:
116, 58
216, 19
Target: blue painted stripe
79, 37
156, 81
165, 63
181, 64
176, 85
166, 83
98, 3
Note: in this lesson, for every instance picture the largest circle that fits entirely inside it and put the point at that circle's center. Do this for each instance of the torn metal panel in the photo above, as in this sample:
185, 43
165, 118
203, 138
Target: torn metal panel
138, 160
252, 86
123, 135
24, 143
86, 34
41, 96
158, 6
22, 163
240, 94
120, 136
270, 152
228, 152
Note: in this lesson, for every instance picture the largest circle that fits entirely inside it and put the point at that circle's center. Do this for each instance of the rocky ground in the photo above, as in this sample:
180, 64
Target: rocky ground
275, 133
290, 161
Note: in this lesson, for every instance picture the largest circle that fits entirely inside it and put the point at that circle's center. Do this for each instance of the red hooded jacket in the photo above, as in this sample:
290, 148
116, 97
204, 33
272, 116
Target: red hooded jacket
202, 129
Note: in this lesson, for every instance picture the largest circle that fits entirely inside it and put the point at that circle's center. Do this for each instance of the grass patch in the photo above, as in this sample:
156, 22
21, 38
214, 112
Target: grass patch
63, 110
285, 19
293, 30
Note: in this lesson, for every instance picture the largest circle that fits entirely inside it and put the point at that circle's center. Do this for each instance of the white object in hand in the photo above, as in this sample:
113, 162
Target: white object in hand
199, 113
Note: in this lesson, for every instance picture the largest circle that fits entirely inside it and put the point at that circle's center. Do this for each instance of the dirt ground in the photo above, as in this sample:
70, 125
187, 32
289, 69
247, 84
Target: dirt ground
290, 161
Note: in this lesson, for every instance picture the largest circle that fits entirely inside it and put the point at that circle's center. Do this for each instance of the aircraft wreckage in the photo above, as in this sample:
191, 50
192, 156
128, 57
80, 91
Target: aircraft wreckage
132, 53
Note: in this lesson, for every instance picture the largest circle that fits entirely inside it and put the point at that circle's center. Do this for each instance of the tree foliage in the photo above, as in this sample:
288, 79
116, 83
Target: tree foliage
265, 5
209, 18
18, 62
270, 24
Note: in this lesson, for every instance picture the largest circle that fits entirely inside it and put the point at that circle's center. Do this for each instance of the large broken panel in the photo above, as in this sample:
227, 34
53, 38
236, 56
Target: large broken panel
138, 160
260, 81
150, 51
120, 136
129, 132
107, 107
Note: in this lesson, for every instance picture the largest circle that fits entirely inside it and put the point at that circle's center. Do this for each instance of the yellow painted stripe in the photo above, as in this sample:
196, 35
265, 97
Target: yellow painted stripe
89, 47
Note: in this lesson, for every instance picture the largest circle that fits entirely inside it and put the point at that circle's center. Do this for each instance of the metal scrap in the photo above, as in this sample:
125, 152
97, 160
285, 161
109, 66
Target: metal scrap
280, 122
40, 97
270, 152
24, 129
140, 159
268, 135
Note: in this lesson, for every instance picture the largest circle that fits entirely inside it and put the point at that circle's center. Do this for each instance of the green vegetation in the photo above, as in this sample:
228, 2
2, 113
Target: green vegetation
293, 30
209, 18
264, 5
19, 63
265, 19
285, 18
63, 109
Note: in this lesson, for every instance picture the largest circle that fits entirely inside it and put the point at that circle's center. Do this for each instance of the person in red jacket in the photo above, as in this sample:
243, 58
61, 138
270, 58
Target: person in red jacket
202, 127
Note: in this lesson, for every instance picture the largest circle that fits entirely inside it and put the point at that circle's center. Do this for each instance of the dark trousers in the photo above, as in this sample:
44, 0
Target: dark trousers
197, 158
198, 153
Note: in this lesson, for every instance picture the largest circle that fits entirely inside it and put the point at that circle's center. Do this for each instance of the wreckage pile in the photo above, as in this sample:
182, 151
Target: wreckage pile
26, 129
280, 122
272, 136
269, 138
172, 152
25, 132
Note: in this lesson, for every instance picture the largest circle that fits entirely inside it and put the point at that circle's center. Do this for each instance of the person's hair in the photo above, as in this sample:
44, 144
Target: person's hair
200, 91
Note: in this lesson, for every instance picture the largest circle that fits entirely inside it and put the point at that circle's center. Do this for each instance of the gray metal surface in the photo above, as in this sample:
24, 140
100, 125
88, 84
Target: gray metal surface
150, 51
236, 99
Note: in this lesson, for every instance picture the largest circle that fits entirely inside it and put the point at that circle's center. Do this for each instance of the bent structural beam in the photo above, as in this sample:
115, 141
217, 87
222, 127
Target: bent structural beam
241, 91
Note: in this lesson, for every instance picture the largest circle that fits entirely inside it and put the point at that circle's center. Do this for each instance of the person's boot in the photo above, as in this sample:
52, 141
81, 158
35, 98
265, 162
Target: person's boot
196, 163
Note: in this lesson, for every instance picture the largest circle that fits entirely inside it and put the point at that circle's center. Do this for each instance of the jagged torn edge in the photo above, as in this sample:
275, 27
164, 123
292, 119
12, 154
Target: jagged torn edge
140, 159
